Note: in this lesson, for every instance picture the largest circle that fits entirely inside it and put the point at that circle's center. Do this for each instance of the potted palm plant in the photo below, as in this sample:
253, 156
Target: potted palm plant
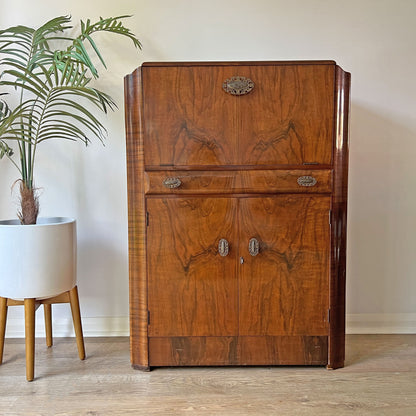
46, 92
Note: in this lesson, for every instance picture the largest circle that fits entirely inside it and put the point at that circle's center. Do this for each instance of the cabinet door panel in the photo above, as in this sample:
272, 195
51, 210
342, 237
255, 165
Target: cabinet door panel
288, 117
284, 290
190, 120
192, 289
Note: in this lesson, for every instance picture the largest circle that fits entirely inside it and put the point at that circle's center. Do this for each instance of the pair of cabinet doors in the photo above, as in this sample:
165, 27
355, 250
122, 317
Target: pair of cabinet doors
270, 279
233, 260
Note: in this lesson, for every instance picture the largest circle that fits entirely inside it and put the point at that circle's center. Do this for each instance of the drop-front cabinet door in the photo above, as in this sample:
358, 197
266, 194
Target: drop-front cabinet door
286, 119
192, 289
284, 279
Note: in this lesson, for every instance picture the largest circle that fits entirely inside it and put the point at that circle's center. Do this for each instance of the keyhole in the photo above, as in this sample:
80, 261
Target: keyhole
241, 260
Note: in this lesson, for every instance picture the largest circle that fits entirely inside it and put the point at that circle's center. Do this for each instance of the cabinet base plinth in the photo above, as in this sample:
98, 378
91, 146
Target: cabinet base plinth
243, 350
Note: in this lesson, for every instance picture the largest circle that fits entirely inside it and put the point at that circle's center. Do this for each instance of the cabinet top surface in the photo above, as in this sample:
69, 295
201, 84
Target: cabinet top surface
237, 63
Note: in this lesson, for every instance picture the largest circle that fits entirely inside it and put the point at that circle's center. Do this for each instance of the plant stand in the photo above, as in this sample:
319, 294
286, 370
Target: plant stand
31, 305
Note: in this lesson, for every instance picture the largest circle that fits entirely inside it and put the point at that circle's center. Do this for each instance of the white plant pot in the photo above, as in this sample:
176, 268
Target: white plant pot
37, 261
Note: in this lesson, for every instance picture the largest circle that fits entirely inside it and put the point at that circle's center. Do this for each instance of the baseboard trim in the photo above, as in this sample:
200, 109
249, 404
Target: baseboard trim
91, 327
367, 323
381, 323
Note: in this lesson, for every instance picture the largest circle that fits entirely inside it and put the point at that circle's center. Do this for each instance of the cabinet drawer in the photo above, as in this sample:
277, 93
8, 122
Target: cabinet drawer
238, 181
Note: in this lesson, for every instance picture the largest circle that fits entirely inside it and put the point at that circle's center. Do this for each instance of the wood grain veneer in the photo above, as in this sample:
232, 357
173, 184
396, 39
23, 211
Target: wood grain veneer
286, 119
238, 181
137, 222
242, 350
284, 289
188, 294
339, 221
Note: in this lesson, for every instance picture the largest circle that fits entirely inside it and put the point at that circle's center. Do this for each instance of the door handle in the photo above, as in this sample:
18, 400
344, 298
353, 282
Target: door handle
253, 246
223, 247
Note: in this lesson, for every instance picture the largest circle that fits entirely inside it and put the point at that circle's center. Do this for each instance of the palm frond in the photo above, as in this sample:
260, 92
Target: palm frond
4, 108
44, 34
5, 149
28, 47
53, 105
26, 80
77, 51
16, 45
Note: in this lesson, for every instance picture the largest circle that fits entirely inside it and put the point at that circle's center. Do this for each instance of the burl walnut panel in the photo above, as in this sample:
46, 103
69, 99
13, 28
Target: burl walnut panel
192, 289
283, 290
190, 119
286, 119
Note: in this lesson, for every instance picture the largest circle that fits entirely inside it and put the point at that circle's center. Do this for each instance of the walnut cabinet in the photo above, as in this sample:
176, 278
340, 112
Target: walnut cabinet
237, 185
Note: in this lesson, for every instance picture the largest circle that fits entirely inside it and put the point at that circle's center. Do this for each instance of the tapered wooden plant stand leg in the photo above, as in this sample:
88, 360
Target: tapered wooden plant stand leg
47, 309
76, 318
3, 318
31, 304
30, 308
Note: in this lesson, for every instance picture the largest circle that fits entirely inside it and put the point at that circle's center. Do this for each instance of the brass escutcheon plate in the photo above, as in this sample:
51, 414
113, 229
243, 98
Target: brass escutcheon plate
238, 85
306, 181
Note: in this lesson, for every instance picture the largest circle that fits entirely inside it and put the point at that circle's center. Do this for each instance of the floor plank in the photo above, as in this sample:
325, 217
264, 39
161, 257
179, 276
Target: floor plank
379, 379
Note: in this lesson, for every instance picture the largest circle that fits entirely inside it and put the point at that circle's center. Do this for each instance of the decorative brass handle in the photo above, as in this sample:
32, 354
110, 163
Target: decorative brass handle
172, 183
238, 85
253, 246
306, 181
223, 247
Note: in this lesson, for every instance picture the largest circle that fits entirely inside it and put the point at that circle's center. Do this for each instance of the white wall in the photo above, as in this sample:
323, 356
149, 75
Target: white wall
373, 39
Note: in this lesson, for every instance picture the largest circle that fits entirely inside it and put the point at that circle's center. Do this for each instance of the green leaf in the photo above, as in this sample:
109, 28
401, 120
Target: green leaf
94, 46
5, 150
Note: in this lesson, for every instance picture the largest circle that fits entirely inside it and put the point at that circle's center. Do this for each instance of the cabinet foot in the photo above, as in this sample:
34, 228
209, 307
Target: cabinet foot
141, 367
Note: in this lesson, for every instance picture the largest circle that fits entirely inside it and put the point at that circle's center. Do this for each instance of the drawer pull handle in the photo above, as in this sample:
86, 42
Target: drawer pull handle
306, 181
172, 183
253, 247
238, 85
223, 247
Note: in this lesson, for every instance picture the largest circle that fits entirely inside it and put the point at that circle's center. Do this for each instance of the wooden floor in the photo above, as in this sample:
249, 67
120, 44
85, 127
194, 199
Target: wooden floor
379, 379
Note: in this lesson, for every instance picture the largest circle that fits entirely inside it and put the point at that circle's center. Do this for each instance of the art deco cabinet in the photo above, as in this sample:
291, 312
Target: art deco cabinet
237, 185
